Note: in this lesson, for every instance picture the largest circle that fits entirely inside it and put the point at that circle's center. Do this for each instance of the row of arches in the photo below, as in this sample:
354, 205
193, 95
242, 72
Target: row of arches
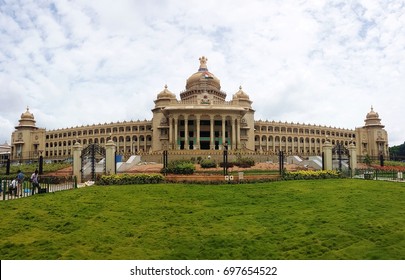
304, 131
125, 144
296, 139
294, 145
99, 131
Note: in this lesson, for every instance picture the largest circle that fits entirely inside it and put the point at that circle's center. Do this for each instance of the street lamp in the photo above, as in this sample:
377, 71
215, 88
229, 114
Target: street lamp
41, 162
225, 154
281, 162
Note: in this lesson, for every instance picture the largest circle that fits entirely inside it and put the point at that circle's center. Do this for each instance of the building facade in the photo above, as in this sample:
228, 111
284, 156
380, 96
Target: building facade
202, 119
5, 152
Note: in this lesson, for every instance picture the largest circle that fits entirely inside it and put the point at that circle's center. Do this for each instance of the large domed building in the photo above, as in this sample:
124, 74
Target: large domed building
201, 120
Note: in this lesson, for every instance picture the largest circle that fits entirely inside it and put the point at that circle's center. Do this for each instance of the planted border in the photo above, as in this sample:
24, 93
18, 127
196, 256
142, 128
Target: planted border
311, 175
129, 179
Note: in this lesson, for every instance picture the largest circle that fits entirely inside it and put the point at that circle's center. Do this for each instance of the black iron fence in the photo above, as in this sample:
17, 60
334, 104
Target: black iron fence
377, 174
26, 188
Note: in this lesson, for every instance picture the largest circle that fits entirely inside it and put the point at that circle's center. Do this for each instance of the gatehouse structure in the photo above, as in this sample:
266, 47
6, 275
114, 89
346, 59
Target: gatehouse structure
201, 119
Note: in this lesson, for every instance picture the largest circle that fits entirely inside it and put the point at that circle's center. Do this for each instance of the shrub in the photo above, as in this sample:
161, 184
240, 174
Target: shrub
208, 163
245, 162
130, 179
179, 167
229, 164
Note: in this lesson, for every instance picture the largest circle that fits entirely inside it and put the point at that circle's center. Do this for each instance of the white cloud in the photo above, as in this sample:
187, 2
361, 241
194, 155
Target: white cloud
84, 62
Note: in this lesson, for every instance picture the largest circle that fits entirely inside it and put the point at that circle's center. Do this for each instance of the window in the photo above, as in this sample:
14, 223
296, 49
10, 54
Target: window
204, 134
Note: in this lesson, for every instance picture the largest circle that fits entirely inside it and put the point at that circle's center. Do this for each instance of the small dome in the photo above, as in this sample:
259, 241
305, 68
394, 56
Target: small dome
372, 114
165, 93
27, 115
240, 94
203, 77
26, 120
373, 119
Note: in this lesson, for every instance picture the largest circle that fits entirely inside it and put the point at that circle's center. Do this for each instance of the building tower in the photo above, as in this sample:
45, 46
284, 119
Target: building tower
27, 141
372, 138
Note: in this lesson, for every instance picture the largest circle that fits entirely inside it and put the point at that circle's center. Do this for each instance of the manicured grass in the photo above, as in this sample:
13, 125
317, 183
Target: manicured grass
319, 219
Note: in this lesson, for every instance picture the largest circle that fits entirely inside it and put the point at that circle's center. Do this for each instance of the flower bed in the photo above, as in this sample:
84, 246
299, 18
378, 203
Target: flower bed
311, 174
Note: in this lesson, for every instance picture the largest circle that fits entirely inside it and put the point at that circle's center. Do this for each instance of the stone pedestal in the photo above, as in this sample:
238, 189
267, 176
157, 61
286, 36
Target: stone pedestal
353, 158
327, 155
77, 161
110, 164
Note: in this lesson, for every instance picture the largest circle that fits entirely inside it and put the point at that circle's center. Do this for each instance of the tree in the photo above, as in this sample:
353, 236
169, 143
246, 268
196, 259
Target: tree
397, 151
367, 160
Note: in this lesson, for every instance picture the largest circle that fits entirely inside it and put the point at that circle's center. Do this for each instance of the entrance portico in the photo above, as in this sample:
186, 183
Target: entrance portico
205, 131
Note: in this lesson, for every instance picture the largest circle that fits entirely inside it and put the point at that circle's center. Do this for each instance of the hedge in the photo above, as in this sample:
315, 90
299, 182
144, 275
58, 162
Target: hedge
183, 167
208, 163
130, 179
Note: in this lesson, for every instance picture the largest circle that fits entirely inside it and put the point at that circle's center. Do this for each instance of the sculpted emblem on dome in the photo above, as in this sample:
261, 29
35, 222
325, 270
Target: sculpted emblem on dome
203, 62
205, 100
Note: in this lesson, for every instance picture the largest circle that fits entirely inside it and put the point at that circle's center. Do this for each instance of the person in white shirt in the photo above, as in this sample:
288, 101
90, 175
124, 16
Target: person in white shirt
34, 181
12, 188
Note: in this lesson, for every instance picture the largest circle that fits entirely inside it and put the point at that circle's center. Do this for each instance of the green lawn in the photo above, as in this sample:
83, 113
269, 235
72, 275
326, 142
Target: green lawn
319, 219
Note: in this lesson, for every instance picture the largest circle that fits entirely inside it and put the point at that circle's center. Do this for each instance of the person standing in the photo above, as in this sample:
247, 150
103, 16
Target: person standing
20, 180
34, 182
12, 188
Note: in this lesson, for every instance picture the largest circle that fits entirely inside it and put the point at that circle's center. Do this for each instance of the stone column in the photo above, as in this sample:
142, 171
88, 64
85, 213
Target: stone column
212, 142
327, 155
238, 134
77, 162
353, 158
197, 146
176, 133
170, 133
186, 145
110, 164
233, 144
223, 131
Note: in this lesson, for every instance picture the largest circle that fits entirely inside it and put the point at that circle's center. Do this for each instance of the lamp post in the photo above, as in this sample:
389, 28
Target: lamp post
281, 162
41, 162
225, 154
381, 159
165, 161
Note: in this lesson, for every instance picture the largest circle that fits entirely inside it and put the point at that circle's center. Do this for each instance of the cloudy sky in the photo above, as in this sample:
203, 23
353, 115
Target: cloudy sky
318, 62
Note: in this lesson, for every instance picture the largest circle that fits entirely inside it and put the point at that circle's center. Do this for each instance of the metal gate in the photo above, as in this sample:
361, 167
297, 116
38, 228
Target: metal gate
93, 162
340, 157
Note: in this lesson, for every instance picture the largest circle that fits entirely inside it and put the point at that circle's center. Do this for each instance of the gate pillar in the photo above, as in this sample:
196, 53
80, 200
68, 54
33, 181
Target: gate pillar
110, 164
353, 158
77, 161
327, 151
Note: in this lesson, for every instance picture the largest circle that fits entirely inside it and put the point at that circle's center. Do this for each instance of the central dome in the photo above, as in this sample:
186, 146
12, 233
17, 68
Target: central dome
203, 78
